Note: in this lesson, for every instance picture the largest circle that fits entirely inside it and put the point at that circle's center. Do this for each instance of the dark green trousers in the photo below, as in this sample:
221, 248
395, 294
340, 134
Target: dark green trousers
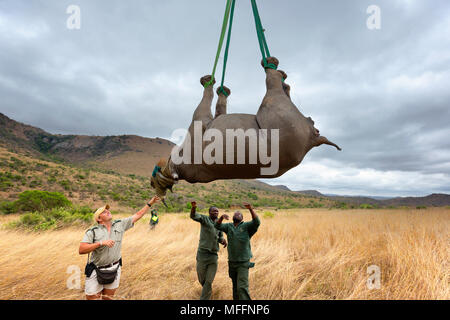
206, 272
238, 272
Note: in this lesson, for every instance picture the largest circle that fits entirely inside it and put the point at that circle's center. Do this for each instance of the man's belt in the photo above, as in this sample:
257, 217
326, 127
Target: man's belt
109, 265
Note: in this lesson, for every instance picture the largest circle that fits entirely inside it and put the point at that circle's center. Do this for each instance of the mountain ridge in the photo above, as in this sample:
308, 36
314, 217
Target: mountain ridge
136, 155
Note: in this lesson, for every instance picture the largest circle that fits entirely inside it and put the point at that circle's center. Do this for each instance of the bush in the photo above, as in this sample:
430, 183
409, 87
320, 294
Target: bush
366, 206
31, 219
342, 205
65, 184
268, 214
54, 218
421, 207
252, 196
36, 200
8, 207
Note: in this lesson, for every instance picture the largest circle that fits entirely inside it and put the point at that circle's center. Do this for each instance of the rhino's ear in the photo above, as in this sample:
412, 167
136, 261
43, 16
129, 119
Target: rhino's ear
322, 140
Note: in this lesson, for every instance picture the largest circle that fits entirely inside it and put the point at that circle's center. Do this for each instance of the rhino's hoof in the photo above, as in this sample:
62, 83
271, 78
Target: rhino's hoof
270, 60
283, 74
227, 91
206, 79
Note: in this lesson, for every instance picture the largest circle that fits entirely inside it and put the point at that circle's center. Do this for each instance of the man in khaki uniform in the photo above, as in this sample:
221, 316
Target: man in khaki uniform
104, 241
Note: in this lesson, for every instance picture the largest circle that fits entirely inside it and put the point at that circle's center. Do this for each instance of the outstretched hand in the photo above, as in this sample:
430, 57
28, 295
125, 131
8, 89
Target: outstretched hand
247, 205
225, 216
154, 200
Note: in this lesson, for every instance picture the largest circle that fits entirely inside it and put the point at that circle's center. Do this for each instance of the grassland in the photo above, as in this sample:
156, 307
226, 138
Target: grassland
299, 254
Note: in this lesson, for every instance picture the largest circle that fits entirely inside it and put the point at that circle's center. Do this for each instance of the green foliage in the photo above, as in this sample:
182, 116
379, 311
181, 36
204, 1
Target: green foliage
16, 164
252, 196
37, 200
268, 214
7, 180
341, 205
366, 206
65, 184
421, 207
8, 207
54, 218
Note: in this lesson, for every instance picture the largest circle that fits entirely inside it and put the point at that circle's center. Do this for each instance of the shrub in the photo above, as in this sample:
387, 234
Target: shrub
65, 184
8, 207
268, 214
36, 200
252, 196
31, 219
344, 205
54, 218
366, 206
421, 207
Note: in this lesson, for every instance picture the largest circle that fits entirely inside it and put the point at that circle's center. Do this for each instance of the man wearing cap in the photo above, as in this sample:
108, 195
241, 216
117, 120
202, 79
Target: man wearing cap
239, 234
207, 248
104, 241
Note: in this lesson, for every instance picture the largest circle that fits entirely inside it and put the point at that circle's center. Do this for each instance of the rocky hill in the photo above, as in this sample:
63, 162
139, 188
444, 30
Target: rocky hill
432, 200
126, 154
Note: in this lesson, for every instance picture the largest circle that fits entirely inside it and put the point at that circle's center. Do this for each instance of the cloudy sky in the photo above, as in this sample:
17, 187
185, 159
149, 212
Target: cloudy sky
134, 67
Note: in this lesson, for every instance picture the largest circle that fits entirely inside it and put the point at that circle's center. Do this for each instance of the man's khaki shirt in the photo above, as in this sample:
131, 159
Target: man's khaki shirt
104, 255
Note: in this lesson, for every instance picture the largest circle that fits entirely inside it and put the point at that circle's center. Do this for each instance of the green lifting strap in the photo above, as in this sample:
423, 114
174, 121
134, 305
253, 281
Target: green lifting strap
261, 38
227, 47
228, 18
222, 36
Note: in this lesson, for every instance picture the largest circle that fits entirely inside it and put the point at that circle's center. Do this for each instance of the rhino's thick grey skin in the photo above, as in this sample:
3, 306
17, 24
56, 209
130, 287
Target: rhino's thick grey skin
297, 134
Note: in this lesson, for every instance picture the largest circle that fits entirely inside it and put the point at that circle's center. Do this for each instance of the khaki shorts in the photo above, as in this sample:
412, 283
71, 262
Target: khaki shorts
92, 286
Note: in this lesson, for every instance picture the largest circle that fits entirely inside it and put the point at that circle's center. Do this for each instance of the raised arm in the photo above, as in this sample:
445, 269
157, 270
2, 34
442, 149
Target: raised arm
250, 208
219, 221
144, 210
253, 225
219, 226
193, 209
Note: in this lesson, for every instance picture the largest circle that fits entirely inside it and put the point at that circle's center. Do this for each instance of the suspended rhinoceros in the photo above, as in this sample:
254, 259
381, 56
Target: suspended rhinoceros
276, 139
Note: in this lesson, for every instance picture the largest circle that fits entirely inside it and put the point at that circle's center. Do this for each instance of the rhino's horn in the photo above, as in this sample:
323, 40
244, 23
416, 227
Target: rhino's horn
323, 140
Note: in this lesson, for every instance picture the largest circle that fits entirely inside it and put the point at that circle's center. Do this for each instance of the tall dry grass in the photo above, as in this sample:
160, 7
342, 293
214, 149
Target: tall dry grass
299, 254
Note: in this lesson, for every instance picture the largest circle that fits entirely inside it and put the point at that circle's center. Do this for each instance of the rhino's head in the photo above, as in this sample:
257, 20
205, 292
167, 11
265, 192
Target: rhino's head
315, 137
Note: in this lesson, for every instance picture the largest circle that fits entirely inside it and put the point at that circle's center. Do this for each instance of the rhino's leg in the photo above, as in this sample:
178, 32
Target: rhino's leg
273, 77
221, 105
286, 87
203, 111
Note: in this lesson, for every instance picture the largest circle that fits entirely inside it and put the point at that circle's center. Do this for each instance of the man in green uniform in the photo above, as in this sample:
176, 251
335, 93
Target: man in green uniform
154, 219
207, 249
104, 241
239, 234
